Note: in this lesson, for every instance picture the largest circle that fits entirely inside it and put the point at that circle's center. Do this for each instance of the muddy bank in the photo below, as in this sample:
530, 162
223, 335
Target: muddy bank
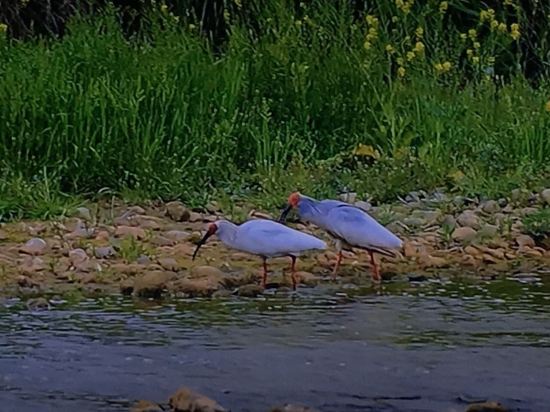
146, 250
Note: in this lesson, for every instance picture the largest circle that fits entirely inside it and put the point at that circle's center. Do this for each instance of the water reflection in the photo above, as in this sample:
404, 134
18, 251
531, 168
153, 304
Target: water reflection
404, 347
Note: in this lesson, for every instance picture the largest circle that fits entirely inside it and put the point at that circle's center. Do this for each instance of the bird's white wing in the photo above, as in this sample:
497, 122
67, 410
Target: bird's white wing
358, 228
269, 238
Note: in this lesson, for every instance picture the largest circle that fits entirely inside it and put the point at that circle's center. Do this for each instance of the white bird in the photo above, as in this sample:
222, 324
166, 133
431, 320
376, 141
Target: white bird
349, 225
264, 238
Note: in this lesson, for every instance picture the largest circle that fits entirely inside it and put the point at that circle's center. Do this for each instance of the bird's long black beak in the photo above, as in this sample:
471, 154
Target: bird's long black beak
202, 242
285, 212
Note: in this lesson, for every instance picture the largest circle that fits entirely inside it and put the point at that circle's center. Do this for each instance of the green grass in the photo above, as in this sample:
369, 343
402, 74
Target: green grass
279, 111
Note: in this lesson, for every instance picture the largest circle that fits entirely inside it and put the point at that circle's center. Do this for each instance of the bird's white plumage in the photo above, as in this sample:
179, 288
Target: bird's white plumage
267, 238
357, 228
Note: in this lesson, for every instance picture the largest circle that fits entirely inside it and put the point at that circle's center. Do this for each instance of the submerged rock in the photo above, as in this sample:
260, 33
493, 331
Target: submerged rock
38, 304
187, 400
146, 406
204, 287
489, 406
289, 407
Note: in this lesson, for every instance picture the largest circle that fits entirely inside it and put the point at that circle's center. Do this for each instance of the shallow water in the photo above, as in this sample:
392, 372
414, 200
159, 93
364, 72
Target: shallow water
430, 346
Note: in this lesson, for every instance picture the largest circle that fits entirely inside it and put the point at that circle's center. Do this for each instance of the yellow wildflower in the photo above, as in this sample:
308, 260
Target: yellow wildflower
491, 60
494, 24
508, 2
192, 26
372, 20
477, 45
443, 6
400, 61
367, 45
410, 55
514, 31
547, 106
394, 19
419, 32
298, 23
472, 34
475, 59
390, 49
419, 47
3, 28
163, 8
401, 71
502, 27
447, 66
438, 67
469, 52
463, 36
483, 15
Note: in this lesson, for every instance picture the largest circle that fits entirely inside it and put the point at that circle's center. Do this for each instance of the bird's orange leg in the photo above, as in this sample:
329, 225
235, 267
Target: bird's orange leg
293, 272
376, 272
337, 265
264, 277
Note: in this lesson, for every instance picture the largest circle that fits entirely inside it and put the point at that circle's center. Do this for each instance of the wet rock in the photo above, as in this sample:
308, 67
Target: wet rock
104, 252
545, 196
84, 214
525, 241
469, 219
488, 406
204, 287
177, 211
77, 257
37, 304
34, 246
250, 291
207, 272
168, 263
152, 284
187, 400
133, 231
222, 293
464, 234
127, 287
490, 206
293, 408
417, 278
146, 406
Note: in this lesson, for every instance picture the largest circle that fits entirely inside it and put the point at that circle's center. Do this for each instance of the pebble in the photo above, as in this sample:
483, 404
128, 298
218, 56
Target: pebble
469, 219
77, 256
490, 206
84, 214
464, 234
34, 246
177, 211
104, 252
545, 196
525, 241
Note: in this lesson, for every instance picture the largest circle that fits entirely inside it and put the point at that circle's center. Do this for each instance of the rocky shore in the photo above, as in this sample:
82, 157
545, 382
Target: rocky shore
146, 251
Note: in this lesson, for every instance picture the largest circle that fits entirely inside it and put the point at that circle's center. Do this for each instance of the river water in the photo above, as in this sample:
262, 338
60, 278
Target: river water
426, 346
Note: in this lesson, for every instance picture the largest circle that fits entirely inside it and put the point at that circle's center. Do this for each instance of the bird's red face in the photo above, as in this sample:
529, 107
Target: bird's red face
212, 228
293, 201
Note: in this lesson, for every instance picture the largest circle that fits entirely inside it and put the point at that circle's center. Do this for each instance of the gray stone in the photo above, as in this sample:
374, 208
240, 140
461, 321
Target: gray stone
34, 246
545, 196
490, 206
469, 219
177, 211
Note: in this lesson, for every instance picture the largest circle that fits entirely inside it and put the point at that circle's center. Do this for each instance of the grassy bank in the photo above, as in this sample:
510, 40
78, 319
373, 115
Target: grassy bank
319, 102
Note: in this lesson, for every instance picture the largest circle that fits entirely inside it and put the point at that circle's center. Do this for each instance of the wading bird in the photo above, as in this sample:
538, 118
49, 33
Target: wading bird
349, 225
264, 238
